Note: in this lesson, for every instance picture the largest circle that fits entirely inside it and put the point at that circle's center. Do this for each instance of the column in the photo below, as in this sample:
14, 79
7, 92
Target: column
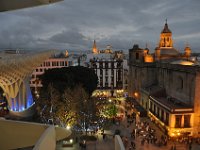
172, 120
182, 121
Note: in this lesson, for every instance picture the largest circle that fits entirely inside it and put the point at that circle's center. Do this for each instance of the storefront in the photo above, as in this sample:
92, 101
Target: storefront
173, 118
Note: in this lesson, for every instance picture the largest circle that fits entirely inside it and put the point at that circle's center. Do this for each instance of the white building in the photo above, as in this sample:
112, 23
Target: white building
110, 70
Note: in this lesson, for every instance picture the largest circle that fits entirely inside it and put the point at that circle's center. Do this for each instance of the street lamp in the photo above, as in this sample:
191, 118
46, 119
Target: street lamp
36, 91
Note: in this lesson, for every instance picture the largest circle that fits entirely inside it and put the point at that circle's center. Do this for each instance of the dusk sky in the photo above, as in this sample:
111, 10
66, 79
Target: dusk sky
74, 24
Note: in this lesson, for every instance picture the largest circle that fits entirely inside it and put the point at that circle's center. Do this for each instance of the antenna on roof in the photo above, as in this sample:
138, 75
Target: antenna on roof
187, 44
166, 20
147, 45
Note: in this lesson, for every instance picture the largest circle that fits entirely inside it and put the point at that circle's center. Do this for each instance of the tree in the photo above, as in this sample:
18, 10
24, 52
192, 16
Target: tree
70, 77
66, 95
110, 111
47, 103
73, 106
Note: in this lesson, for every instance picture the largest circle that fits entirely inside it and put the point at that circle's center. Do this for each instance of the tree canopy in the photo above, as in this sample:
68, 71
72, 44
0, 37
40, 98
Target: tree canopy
65, 96
70, 77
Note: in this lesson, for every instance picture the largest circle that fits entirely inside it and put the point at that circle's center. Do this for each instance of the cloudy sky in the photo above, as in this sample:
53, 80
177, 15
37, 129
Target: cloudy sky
74, 24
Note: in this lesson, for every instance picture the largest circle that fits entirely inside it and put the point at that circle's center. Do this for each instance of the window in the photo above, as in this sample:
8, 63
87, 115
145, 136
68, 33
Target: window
119, 65
62, 63
53, 63
150, 106
167, 119
154, 108
47, 63
178, 121
106, 72
112, 79
126, 82
106, 79
106, 65
135, 73
112, 65
101, 65
158, 112
179, 83
112, 72
137, 56
186, 121
101, 72
162, 115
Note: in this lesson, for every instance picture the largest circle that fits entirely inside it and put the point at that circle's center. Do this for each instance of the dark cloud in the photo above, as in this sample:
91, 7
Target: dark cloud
74, 24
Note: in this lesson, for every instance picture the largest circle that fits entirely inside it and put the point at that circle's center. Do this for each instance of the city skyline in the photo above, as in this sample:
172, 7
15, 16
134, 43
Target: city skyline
75, 24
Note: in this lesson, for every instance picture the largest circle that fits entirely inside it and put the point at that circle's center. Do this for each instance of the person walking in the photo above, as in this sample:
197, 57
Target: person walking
132, 144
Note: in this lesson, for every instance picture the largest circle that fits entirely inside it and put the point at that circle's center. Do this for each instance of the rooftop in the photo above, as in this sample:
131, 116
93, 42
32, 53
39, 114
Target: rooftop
166, 29
170, 103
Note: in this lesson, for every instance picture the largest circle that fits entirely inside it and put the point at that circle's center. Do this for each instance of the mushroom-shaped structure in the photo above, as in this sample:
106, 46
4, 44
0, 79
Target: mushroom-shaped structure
6, 5
16, 69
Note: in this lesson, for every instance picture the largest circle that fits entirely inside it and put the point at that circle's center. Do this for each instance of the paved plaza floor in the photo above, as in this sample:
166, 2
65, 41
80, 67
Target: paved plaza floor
108, 142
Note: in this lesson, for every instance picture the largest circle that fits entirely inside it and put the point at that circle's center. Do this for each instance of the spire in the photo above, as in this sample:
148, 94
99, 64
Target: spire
187, 44
166, 29
94, 45
147, 45
94, 48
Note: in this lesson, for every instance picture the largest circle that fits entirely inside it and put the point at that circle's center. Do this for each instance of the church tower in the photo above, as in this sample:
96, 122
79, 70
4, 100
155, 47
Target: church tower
166, 37
187, 51
94, 48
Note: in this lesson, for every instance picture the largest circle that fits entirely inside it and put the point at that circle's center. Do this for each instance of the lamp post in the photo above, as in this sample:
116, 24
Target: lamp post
36, 91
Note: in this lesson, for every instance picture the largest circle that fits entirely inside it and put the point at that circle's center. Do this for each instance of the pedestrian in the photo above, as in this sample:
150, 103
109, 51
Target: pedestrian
190, 146
172, 147
104, 136
133, 144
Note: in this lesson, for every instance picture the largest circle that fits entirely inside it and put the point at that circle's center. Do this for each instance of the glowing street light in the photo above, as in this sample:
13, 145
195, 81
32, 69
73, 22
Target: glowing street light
68, 127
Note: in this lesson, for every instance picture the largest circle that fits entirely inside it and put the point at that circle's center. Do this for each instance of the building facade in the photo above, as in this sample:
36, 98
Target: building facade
166, 83
111, 69
110, 73
52, 62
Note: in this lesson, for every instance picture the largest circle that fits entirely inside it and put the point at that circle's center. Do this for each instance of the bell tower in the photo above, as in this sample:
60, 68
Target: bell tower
166, 37
187, 50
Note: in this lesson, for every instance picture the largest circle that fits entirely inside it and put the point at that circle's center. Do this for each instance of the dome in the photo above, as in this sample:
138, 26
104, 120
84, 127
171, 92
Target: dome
169, 51
183, 62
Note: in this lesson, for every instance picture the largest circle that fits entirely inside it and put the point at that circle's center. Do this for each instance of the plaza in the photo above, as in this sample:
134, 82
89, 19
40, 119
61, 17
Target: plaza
126, 128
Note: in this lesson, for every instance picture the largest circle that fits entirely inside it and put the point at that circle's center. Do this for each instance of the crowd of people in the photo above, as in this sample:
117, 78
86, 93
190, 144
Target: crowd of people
147, 134
140, 129
137, 132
